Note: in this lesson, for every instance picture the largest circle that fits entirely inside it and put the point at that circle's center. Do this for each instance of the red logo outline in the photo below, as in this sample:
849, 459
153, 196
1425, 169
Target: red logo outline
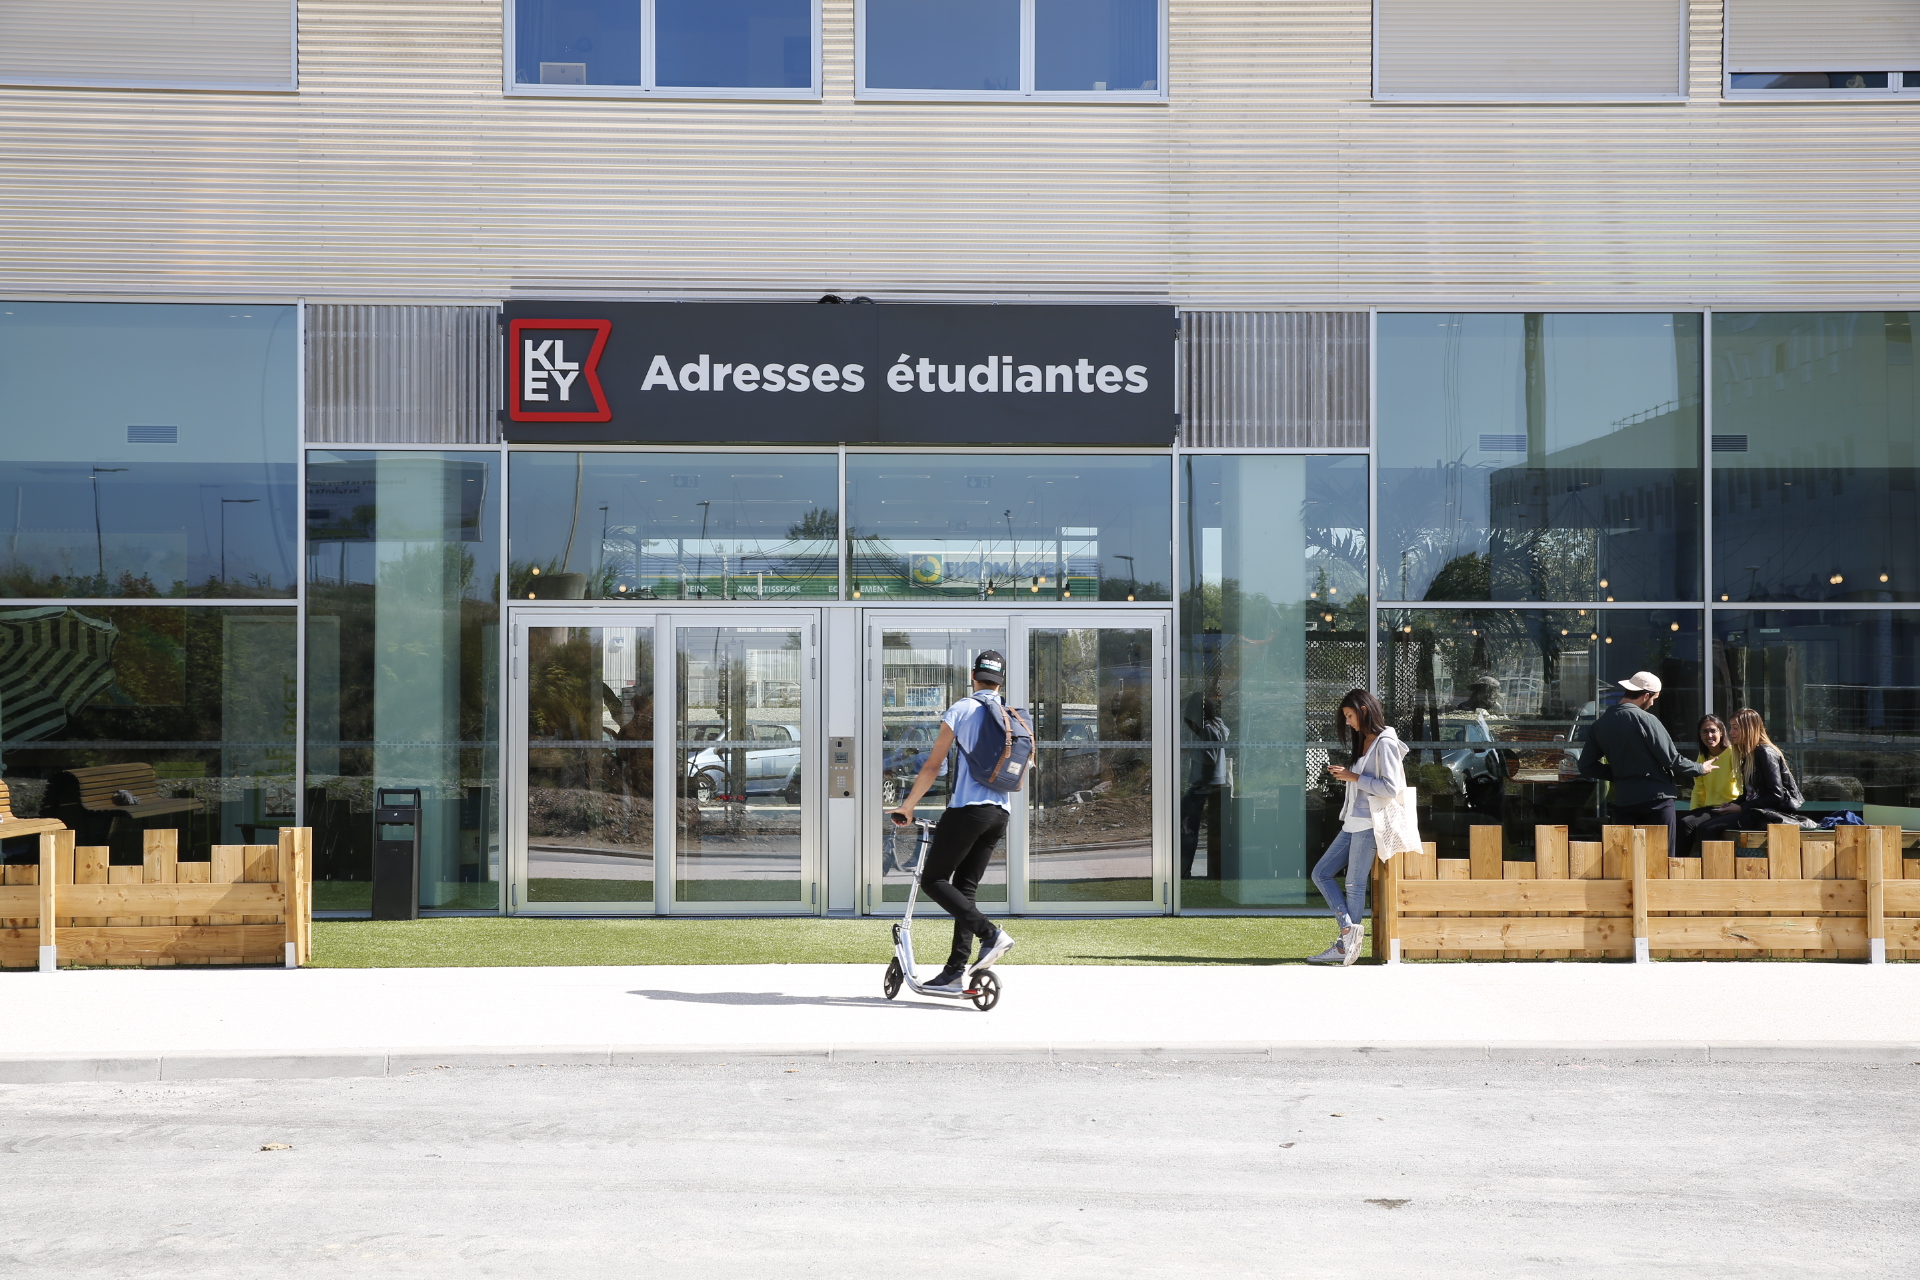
590, 368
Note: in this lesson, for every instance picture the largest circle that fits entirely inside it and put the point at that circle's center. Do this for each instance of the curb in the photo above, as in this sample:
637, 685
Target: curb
325, 1064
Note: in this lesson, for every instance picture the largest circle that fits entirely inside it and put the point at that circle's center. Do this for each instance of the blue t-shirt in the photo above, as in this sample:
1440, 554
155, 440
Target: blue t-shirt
963, 717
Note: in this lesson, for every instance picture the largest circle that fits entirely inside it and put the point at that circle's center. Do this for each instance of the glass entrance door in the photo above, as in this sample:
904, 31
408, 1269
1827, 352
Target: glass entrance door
714, 709
1088, 831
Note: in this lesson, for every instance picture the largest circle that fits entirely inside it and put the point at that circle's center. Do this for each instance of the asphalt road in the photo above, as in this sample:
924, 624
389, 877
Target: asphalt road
976, 1170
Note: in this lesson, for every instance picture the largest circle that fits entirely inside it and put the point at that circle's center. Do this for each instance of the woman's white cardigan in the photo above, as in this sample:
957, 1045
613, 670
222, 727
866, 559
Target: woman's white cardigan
1381, 773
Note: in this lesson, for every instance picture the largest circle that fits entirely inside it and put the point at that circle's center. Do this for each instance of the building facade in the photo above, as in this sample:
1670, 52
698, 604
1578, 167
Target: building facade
1206, 357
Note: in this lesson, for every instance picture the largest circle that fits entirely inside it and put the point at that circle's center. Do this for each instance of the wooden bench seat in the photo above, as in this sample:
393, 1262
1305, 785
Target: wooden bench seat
11, 826
92, 789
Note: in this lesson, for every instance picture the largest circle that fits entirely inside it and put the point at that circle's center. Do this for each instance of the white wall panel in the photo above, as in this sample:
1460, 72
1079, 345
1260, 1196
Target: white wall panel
1271, 181
221, 44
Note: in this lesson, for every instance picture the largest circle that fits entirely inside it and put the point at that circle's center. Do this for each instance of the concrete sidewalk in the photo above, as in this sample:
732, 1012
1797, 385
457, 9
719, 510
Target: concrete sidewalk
194, 1022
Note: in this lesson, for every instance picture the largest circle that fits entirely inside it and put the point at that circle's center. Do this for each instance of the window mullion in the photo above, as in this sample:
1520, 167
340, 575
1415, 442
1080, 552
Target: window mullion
649, 43
1026, 47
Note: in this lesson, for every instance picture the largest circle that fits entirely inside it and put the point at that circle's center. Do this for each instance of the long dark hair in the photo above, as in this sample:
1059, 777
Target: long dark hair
1700, 734
1372, 717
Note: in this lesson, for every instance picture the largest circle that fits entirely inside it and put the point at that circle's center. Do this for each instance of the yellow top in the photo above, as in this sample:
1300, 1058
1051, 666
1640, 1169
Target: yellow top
1720, 786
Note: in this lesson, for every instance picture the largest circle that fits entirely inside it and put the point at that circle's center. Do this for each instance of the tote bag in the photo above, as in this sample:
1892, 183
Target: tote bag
1396, 827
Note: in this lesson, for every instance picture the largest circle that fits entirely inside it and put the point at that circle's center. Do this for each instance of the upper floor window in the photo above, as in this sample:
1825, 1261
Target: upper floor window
1527, 51
110, 44
1076, 50
675, 48
1838, 49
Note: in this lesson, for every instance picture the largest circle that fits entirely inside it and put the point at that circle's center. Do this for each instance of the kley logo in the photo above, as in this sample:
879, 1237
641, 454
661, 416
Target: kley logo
555, 375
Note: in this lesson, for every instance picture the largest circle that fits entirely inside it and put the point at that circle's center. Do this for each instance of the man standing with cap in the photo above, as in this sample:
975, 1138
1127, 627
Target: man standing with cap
965, 837
1633, 751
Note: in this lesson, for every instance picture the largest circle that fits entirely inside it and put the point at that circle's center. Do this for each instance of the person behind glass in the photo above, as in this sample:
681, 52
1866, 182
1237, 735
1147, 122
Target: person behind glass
971, 826
1212, 780
1713, 792
1377, 773
1768, 793
1630, 749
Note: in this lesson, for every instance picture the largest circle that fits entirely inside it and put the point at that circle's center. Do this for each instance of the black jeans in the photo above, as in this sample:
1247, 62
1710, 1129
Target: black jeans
963, 842
1652, 814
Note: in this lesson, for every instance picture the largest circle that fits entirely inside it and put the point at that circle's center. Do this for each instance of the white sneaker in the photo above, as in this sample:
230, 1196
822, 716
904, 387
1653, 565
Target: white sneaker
1352, 938
996, 947
948, 982
1332, 955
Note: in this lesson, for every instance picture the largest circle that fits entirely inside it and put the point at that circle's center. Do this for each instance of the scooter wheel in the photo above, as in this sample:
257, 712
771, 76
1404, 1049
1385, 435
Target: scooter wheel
986, 991
891, 983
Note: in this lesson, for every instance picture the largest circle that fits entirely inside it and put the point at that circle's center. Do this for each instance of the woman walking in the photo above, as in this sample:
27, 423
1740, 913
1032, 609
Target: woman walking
1375, 776
1712, 792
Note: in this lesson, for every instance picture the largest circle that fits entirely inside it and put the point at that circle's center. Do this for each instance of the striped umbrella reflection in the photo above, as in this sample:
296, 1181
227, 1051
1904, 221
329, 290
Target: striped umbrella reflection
53, 661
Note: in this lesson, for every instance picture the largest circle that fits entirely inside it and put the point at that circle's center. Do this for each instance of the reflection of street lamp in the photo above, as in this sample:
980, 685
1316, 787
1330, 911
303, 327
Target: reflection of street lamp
1130, 579
99, 545
700, 559
224, 502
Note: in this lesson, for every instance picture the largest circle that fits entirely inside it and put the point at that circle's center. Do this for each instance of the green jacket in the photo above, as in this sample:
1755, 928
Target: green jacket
1633, 751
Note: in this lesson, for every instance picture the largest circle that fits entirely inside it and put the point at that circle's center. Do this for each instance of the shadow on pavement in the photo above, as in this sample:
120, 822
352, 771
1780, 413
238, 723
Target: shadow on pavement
775, 998
1163, 958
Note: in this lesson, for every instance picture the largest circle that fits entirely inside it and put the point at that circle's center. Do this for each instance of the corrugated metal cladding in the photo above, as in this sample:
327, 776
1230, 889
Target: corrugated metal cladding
402, 375
1273, 379
1508, 48
401, 173
223, 44
1833, 35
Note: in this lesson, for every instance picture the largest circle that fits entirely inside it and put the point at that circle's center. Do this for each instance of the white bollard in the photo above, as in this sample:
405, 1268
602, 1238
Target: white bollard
1642, 951
49, 959
292, 963
1876, 951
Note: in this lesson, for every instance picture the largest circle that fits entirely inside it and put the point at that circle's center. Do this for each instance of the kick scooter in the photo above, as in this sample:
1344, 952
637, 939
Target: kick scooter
983, 987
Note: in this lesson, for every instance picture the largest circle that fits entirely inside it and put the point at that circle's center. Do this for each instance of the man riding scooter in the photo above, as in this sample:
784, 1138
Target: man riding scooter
973, 823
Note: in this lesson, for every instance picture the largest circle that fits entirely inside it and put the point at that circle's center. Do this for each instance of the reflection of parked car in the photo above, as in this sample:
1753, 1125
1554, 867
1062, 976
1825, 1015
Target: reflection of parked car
902, 758
769, 765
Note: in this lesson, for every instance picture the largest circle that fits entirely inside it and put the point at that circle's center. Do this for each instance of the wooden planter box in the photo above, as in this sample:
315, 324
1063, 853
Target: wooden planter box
251, 904
1848, 894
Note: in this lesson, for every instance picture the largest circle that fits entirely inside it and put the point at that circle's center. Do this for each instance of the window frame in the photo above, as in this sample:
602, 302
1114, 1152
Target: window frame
1680, 94
1907, 90
648, 87
1026, 92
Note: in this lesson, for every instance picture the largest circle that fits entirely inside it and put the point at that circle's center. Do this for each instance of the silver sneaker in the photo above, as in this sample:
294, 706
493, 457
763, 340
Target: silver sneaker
1352, 938
991, 953
1332, 955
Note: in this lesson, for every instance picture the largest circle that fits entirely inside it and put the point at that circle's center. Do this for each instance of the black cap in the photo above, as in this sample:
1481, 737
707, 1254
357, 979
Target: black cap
991, 667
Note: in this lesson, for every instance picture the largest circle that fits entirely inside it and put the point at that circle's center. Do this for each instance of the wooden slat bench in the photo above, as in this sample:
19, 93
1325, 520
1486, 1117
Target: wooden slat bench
11, 826
84, 798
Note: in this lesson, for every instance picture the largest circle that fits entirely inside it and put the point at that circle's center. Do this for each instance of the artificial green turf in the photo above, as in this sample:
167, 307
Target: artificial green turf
491, 941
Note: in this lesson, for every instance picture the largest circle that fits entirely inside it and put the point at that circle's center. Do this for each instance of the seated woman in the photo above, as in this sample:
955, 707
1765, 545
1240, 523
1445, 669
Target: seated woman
1768, 792
1713, 792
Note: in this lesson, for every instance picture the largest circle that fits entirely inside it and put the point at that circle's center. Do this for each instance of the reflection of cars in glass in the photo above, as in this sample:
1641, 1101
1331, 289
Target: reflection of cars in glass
771, 764
903, 756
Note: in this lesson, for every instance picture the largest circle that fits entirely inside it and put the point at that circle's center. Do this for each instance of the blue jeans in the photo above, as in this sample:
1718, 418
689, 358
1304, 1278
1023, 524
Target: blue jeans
1353, 852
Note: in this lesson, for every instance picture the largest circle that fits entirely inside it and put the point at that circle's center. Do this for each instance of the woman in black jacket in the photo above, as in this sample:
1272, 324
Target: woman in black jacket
1768, 792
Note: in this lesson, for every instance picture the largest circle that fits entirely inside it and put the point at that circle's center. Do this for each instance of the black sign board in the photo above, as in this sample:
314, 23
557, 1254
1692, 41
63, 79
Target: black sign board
711, 373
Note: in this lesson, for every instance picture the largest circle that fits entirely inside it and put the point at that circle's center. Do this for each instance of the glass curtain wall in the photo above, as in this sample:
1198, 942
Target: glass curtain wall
149, 450
403, 660
1839, 691
1496, 703
1273, 625
675, 526
192, 709
1814, 425
1539, 457
1016, 530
